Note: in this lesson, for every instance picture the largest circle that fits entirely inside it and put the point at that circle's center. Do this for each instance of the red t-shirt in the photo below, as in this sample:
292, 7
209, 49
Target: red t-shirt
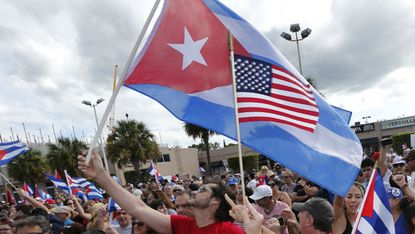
184, 225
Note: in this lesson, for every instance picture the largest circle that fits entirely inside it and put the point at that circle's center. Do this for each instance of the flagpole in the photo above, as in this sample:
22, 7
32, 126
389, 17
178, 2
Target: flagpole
8, 181
235, 102
67, 182
360, 210
121, 81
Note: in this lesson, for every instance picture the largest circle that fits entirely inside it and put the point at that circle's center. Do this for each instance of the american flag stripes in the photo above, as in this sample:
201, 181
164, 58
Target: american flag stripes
267, 92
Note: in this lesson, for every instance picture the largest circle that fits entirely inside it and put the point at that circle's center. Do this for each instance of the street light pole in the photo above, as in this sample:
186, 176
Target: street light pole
295, 28
88, 103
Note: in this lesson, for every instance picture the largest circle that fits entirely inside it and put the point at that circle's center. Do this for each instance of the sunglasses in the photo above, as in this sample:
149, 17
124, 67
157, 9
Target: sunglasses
176, 190
398, 165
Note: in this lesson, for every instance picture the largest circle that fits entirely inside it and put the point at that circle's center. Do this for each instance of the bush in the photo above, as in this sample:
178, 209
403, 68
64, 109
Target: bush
399, 140
250, 162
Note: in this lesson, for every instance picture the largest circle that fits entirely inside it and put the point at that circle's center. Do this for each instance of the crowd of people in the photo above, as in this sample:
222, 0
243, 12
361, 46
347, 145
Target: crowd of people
277, 201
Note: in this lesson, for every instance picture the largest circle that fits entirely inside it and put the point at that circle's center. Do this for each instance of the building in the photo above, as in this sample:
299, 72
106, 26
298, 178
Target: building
174, 161
370, 134
219, 158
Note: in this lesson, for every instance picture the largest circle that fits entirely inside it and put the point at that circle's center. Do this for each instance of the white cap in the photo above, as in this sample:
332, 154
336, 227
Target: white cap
137, 193
398, 160
261, 192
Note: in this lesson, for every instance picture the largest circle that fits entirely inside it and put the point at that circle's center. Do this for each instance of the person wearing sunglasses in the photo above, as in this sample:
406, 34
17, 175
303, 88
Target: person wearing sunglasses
209, 207
140, 228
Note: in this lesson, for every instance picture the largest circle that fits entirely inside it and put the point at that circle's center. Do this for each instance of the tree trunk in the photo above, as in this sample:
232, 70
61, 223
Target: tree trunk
136, 164
206, 142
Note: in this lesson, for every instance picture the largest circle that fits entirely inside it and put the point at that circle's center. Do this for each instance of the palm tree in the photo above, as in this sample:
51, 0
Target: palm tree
313, 83
63, 155
203, 133
30, 167
131, 141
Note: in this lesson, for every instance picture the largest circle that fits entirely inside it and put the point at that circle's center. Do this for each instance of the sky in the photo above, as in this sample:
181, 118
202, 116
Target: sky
54, 54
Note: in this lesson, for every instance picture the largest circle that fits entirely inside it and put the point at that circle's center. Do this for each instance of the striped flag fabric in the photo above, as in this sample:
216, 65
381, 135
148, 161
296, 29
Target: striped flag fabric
152, 170
81, 182
374, 215
267, 92
93, 193
27, 188
280, 114
42, 194
10, 150
58, 183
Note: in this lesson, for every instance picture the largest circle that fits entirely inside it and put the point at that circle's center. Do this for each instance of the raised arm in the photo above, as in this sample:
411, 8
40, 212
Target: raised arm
31, 200
383, 164
339, 223
79, 208
126, 200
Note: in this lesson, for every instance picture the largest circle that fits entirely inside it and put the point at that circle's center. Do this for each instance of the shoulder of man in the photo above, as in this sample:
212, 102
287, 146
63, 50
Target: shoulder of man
180, 222
231, 228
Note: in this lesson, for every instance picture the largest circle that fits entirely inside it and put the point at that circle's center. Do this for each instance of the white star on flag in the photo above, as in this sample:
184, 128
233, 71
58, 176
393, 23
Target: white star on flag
190, 49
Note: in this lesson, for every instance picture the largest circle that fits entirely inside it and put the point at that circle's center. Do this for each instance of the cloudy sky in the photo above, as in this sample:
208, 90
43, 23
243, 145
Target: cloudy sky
54, 54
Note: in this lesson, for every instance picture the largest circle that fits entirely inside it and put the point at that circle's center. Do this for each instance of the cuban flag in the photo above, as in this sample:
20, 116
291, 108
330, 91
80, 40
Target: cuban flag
81, 182
93, 193
27, 188
185, 65
152, 170
374, 215
10, 150
43, 195
58, 183
74, 187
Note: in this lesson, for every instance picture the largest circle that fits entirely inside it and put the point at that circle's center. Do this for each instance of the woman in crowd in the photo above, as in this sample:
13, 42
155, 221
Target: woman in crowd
153, 195
140, 228
99, 217
279, 195
345, 209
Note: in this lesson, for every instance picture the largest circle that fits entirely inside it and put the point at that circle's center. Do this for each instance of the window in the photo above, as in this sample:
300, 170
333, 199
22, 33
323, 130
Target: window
163, 158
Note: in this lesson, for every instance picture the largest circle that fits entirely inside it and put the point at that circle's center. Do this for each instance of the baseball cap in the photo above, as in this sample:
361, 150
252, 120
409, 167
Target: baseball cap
61, 210
321, 211
50, 201
261, 192
398, 160
233, 181
394, 193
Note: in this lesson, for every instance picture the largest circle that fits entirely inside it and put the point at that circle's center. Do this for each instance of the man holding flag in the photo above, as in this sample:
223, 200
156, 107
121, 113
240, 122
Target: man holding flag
209, 207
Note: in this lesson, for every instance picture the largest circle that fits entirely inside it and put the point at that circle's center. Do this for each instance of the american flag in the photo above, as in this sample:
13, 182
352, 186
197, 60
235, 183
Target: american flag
268, 92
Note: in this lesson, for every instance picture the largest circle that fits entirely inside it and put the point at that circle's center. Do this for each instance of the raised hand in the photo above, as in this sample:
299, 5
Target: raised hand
93, 168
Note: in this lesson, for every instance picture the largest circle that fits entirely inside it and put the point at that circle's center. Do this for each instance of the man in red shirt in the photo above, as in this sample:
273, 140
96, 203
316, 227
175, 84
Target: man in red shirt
209, 207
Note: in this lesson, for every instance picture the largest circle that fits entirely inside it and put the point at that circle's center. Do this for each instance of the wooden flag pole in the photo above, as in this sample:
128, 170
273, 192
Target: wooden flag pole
120, 82
235, 103
8, 181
